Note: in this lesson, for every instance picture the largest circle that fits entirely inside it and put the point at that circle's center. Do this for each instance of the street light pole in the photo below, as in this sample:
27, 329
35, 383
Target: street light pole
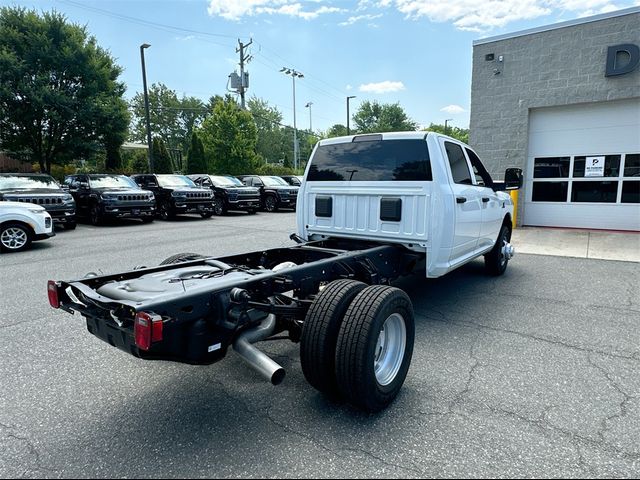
294, 74
348, 116
308, 105
445, 124
146, 106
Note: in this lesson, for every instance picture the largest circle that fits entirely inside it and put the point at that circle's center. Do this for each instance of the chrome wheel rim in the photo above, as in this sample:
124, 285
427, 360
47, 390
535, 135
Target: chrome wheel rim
14, 238
390, 348
217, 207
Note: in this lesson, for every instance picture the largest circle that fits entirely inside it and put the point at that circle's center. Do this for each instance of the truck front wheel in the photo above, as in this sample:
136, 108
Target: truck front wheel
374, 348
495, 262
320, 333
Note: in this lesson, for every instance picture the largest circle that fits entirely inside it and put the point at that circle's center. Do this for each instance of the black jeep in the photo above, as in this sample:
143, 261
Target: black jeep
230, 193
177, 194
101, 196
275, 193
42, 190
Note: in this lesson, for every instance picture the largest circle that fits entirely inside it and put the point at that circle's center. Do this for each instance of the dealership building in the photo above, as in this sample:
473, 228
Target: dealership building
562, 102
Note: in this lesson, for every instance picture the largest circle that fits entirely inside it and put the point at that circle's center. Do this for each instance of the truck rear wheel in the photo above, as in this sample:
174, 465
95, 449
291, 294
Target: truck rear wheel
374, 348
320, 333
181, 257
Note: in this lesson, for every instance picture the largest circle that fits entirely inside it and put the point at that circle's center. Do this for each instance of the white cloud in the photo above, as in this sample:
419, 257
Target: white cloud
185, 38
478, 16
382, 87
470, 15
348, 87
357, 18
453, 109
236, 9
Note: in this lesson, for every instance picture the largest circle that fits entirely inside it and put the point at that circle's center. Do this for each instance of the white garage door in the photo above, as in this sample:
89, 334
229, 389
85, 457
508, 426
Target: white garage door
583, 166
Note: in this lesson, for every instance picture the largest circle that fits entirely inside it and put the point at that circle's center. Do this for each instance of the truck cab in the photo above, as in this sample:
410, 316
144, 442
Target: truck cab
426, 191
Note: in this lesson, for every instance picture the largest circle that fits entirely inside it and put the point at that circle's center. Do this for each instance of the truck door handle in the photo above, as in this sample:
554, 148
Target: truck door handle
461, 199
485, 199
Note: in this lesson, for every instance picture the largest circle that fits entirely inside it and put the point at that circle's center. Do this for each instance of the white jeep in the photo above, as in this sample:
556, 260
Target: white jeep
22, 223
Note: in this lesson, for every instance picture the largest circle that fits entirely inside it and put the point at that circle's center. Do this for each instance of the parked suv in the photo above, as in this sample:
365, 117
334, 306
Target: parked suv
294, 180
21, 223
230, 193
177, 194
275, 193
42, 190
101, 196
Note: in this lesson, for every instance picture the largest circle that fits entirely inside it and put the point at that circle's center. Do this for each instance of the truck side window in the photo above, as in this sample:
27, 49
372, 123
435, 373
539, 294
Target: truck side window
482, 176
458, 162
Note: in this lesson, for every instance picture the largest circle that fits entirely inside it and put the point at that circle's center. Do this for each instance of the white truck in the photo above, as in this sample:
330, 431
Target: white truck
22, 223
371, 209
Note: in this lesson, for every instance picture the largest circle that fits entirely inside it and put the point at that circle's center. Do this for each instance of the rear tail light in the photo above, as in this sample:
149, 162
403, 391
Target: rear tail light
52, 291
147, 329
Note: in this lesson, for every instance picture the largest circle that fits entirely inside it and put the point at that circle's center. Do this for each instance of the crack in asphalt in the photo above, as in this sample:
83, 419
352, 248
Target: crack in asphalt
32, 450
319, 444
310, 438
443, 318
626, 398
542, 422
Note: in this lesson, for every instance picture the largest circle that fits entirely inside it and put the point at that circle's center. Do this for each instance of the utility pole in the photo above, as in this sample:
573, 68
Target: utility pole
243, 81
294, 74
348, 116
146, 106
308, 105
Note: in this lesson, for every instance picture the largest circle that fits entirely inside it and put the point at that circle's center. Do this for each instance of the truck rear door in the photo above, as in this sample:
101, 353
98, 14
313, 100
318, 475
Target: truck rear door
468, 203
372, 187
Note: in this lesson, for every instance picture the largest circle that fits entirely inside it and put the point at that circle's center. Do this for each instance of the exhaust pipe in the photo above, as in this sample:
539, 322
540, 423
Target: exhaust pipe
254, 357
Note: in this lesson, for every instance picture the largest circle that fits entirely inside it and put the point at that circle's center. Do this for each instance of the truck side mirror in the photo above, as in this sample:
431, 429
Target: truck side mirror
513, 179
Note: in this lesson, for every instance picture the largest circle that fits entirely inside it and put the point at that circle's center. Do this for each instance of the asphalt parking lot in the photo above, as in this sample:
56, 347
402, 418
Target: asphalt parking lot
532, 374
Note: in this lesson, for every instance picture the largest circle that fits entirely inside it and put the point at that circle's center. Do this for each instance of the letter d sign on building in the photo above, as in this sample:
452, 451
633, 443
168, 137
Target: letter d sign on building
616, 53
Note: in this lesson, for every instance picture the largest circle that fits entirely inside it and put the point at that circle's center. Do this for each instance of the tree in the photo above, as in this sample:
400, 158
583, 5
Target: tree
373, 117
196, 160
338, 130
230, 136
171, 118
461, 134
161, 158
272, 144
60, 98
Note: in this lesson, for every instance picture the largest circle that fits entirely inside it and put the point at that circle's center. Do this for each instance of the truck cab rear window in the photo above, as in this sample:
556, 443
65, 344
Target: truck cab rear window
374, 161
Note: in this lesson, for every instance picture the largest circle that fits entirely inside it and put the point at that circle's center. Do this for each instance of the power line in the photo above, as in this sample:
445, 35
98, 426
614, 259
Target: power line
141, 21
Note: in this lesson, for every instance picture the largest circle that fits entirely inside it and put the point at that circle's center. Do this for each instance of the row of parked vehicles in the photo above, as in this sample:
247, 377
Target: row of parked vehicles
32, 204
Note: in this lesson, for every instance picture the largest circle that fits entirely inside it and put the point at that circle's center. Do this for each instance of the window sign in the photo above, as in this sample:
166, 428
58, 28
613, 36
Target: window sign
594, 167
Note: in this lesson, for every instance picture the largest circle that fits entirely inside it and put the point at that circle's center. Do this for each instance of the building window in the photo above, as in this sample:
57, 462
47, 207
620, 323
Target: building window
550, 191
611, 166
632, 165
599, 192
616, 181
552, 167
631, 191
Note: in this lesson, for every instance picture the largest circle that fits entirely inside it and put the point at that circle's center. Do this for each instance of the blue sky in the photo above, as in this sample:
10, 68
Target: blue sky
415, 52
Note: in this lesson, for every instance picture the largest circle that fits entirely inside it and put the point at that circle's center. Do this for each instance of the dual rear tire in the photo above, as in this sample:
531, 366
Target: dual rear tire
357, 343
